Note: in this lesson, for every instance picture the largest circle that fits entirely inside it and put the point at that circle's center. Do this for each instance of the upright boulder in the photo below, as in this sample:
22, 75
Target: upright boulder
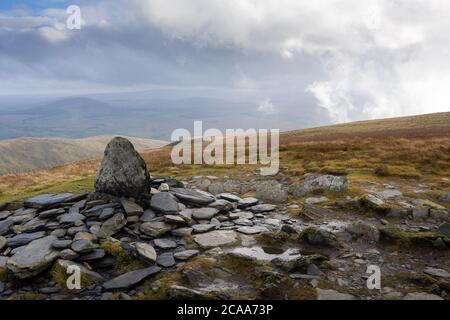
123, 172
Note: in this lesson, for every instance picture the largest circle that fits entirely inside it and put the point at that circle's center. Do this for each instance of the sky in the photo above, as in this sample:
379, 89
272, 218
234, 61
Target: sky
355, 59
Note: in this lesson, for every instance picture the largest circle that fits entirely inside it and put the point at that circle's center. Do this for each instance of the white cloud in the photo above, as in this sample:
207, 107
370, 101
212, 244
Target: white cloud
266, 107
381, 57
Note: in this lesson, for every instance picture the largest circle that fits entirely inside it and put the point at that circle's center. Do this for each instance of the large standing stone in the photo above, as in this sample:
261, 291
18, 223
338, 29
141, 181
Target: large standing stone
123, 172
33, 259
325, 182
130, 279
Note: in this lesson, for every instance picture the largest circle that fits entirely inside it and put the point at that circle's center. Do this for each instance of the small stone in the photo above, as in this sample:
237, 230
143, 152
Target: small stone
51, 213
83, 246
155, 229
131, 208
24, 238
164, 202
47, 200
61, 244
421, 296
148, 215
112, 226
216, 238
182, 232
165, 244
96, 254
252, 230
68, 254
323, 294
440, 273
164, 187
70, 219
192, 196
271, 191
262, 208
202, 228
146, 251
247, 202
166, 260
229, 197
185, 255
178, 220
204, 213
5, 225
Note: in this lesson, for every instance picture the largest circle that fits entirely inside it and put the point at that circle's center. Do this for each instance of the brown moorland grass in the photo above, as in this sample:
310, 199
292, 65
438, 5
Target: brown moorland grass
401, 148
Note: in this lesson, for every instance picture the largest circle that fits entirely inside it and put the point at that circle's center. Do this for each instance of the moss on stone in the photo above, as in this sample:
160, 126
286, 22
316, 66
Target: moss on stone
125, 262
399, 237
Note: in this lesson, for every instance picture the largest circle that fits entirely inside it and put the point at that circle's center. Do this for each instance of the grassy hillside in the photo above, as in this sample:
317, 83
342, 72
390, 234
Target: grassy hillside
404, 148
25, 154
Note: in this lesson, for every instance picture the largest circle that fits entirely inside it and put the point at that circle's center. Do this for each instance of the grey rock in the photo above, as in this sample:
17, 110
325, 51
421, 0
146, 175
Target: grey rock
421, 296
319, 237
52, 213
146, 251
148, 215
204, 213
130, 279
61, 244
252, 230
202, 228
165, 243
222, 205
440, 273
229, 197
112, 226
131, 208
324, 182
33, 225
323, 294
241, 215
47, 200
316, 200
178, 220
192, 196
177, 292
182, 232
216, 238
106, 214
364, 230
247, 202
5, 214
186, 254
262, 208
271, 191
83, 246
5, 225
123, 172
155, 229
243, 222
24, 238
68, 254
96, 254
37, 256
166, 260
71, 219
216, 188
164, 202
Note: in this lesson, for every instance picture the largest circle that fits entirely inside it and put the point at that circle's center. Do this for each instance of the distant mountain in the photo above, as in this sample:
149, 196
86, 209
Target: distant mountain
25, 154
147, 117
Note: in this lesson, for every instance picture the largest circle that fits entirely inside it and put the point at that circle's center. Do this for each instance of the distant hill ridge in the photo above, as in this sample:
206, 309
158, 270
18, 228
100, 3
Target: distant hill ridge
26, 154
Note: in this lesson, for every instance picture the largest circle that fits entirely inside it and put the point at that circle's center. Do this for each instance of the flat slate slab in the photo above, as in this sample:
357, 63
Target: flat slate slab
47, 200
216, 238
130, 279
192, 196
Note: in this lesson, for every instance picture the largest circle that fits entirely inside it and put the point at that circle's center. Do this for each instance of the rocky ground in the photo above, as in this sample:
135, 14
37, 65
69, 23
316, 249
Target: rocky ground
237, 237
